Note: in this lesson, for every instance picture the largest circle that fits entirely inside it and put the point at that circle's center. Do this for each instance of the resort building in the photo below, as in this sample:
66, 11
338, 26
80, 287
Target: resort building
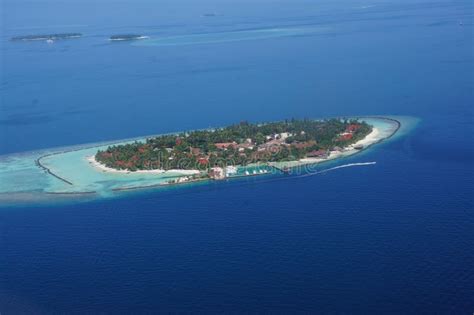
217, 173
225, 145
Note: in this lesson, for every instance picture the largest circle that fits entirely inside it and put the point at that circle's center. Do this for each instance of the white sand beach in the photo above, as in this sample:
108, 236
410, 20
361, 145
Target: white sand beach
375, 136
101, 167
78, 166
370, 139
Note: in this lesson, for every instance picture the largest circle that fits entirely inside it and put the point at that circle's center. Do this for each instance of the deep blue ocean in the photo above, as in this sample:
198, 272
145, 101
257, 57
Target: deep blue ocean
396, 237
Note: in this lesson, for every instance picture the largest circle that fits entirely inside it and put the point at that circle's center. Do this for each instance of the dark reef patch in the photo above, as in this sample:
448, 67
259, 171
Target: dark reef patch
26, 119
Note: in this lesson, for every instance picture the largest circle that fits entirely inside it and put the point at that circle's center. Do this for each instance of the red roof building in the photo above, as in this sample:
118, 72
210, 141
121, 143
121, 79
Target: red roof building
224, 145
304, 145
352, 128
203, 161
345, 137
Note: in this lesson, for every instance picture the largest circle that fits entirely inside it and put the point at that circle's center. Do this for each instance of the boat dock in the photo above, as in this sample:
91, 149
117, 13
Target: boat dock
284, 170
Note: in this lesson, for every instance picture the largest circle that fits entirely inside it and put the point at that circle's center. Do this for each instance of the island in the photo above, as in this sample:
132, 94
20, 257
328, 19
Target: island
126, 37
47, 37
270, 151
216, 153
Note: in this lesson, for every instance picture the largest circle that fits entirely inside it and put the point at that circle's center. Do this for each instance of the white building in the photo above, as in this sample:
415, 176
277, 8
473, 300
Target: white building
217, 173
230, 170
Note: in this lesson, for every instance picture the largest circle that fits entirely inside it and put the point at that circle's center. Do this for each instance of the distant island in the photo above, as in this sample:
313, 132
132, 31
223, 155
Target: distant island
216, 152
46, 37
122, 37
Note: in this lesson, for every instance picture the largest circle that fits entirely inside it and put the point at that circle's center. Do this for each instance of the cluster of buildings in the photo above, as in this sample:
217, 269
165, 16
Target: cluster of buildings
349, 133
222, 172
247, 144
273, 143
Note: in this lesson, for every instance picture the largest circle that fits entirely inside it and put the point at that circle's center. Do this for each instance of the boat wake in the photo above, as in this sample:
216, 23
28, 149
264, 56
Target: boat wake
235, 36
337, 167
310, 173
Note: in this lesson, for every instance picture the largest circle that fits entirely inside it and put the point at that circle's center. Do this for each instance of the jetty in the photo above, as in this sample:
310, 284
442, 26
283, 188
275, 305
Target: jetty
283, 170
47, 170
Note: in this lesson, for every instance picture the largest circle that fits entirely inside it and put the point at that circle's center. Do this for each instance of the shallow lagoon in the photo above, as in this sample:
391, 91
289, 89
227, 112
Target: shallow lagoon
72, 175
394, 237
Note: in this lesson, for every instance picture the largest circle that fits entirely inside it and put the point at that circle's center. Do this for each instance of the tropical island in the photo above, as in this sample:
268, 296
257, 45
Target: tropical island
124, 37
216, 152
46, 37
294, 147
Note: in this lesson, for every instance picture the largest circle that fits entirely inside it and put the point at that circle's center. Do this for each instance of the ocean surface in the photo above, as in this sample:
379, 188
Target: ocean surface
391, 237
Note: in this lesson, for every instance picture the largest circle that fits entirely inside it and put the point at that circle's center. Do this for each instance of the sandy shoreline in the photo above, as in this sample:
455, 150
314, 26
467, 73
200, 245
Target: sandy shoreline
71, 171
372, 138
101, 167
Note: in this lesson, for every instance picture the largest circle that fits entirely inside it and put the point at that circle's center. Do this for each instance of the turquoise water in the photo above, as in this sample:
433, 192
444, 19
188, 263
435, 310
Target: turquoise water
391, 233
75, 176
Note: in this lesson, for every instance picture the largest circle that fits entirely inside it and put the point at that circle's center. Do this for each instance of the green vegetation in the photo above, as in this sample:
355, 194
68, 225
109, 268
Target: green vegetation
238, 144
